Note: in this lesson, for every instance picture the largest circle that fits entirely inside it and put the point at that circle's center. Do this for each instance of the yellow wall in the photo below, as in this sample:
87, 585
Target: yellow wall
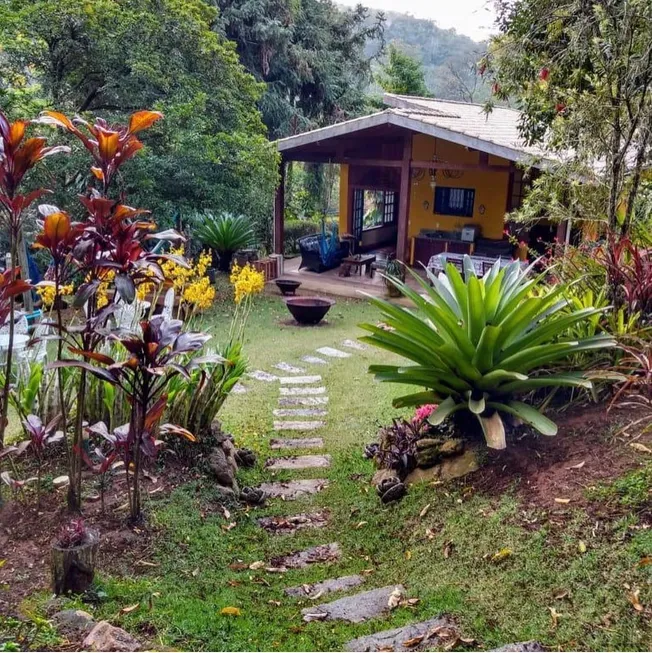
344, 192
490, 190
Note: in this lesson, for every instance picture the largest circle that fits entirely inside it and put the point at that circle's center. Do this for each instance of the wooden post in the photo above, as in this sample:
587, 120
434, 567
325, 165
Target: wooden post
402, 249
279, 211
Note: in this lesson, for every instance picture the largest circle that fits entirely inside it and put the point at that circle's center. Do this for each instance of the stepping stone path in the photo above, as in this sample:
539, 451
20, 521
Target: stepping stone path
296, 443
297, 426
295, 392
300, 380
293, 523
239, 389
302, 401
293, 489
315, 590
286, 367
299, 462
314, 360
301, 559
422, 636
299, 412
331, 352
301, 397
353, 344
355, 609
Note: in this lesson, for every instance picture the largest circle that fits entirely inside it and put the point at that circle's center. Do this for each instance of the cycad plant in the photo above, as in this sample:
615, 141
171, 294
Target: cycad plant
225, 234
478, 343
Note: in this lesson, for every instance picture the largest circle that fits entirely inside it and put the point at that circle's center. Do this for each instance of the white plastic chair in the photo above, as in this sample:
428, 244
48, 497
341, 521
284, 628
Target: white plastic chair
168, 304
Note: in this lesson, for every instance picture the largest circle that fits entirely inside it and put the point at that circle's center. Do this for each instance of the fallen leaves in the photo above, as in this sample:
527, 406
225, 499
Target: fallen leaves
448, 548
395, 598
231, 611
633, 598
259, 564
424, 511
578, 466
129, 608
581, 546
641, 448
563, 501
554, 615
501, 555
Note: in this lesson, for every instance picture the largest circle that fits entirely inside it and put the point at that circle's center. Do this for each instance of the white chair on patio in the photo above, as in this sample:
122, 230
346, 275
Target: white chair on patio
168, 304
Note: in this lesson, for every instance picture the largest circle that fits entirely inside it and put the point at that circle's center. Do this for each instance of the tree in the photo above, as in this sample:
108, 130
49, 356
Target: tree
402, 74
310, 54
111, 57
581, 73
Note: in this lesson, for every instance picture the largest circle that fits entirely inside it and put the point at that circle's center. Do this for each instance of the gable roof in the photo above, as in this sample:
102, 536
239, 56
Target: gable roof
463, 123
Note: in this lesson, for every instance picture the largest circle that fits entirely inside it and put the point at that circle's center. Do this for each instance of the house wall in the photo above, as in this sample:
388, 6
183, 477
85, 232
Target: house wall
490, 190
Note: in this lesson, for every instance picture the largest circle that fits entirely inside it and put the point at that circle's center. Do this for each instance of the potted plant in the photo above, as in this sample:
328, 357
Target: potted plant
396, 270
74, 554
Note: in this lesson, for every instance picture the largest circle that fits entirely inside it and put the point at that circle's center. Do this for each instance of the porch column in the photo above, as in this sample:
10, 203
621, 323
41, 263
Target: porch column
279, 211
402, 242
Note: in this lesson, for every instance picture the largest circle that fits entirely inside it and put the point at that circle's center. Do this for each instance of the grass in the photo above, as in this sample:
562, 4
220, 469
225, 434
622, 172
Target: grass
181, 598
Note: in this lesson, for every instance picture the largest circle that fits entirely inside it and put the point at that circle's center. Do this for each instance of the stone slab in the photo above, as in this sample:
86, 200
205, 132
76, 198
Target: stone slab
282, 525
299, 462
239, 389
260, 375
301, 559
405, 638
353, 344
293, 489
314, 360
296, 443
331, 352
300, 412
518, 647
302, 401
291, 369
315, 590
300, 380
448, 469
297, 426
306, 391
355, 609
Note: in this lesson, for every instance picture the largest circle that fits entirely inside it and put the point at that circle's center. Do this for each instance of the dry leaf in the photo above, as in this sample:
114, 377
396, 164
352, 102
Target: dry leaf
316, 616
408, 555
238, 566
395, 598
501, 555
578, 466
562, 501
226, 513
635, 601
581, 546
228, 527
643, 562
562, 594
318, 595
259, 564
139, 563
409, 643
195, 572
233, 583
276, 603
640, 447
430, 534
361, 524
424, 511
554, 616
230, 611
129, 608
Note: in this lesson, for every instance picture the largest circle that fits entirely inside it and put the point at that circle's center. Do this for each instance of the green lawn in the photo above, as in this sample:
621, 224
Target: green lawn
494, 602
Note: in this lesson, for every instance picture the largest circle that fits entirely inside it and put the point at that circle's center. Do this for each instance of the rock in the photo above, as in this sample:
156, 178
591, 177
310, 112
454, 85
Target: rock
309, 590
355, 609
527, 647
73, 621
300, 380
384, 474
302, 391
301, 559
405, 638
448, 469
61, 481
394, 492
253, 496
288, 490
331, 352
105, 637
221, 467
431, 451
297, 426
296, 443
245, 457
299, 462
302, 401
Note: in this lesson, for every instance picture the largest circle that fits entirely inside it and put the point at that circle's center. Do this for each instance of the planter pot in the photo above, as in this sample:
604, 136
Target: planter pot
392, 290
73, 569
288, 286
308, 310
212, 275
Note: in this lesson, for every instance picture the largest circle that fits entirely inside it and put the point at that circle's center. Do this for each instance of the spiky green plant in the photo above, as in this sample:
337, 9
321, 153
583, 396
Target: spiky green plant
478, 343
225, 234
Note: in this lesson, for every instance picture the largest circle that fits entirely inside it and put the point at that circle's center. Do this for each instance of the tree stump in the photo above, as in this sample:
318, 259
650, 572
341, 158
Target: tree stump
73, 568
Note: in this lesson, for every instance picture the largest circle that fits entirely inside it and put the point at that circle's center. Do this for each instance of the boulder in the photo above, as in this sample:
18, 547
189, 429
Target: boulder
382, 475
431, 451
73, 621
105, 637
222, 464
446, 470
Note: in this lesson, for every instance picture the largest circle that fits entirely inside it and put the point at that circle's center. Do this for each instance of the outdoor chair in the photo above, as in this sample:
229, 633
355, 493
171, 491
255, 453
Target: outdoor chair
311, 257
168, 304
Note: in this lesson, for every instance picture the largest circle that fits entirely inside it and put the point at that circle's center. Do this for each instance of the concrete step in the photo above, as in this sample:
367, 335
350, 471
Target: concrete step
300, 412
296, 443
299, 462
300, 380
315, 590
306, 391
354, 609
293, 489
331, 352
297, 426
302, 559
302, 401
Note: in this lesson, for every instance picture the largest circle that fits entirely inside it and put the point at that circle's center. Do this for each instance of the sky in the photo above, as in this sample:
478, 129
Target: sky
471, 17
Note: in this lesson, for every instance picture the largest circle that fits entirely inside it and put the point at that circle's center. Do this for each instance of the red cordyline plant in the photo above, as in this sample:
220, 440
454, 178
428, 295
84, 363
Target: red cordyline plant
153, 357
112, 238
18, 155
40, 436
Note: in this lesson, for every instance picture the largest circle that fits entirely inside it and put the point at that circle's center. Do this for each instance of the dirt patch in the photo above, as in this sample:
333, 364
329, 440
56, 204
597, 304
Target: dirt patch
549, 472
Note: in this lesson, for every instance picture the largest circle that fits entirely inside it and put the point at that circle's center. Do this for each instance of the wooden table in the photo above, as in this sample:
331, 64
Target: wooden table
359, 261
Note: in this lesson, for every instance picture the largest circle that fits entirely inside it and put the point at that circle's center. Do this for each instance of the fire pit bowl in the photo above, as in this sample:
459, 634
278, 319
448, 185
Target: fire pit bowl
288, 286
308, 310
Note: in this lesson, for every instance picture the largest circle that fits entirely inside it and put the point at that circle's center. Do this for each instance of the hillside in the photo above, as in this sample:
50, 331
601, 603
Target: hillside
448, 58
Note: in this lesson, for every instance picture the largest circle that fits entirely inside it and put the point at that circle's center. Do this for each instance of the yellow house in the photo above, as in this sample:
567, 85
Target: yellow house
422, 177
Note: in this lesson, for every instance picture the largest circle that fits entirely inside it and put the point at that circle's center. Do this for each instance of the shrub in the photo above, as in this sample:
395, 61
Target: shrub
225, 234
478, 343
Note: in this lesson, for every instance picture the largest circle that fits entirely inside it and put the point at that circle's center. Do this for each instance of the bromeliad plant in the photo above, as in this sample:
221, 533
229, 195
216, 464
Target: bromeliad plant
479, 343
225, 234
153, 358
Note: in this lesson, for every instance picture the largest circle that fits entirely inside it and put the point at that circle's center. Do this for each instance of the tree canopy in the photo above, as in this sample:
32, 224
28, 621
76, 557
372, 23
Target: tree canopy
111, 57
402, 74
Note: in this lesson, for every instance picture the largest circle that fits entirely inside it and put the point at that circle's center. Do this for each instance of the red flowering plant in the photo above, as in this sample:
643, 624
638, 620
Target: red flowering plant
40, 436
18, 155
154, 356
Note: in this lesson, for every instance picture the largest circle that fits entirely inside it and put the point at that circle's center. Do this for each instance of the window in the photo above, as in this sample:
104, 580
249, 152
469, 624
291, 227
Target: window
454, 201
374, 208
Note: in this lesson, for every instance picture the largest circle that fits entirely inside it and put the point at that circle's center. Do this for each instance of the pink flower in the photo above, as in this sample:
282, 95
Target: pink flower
423, 413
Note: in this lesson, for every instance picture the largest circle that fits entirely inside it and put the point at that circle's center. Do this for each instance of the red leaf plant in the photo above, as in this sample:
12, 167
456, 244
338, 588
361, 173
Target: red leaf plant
40, 436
